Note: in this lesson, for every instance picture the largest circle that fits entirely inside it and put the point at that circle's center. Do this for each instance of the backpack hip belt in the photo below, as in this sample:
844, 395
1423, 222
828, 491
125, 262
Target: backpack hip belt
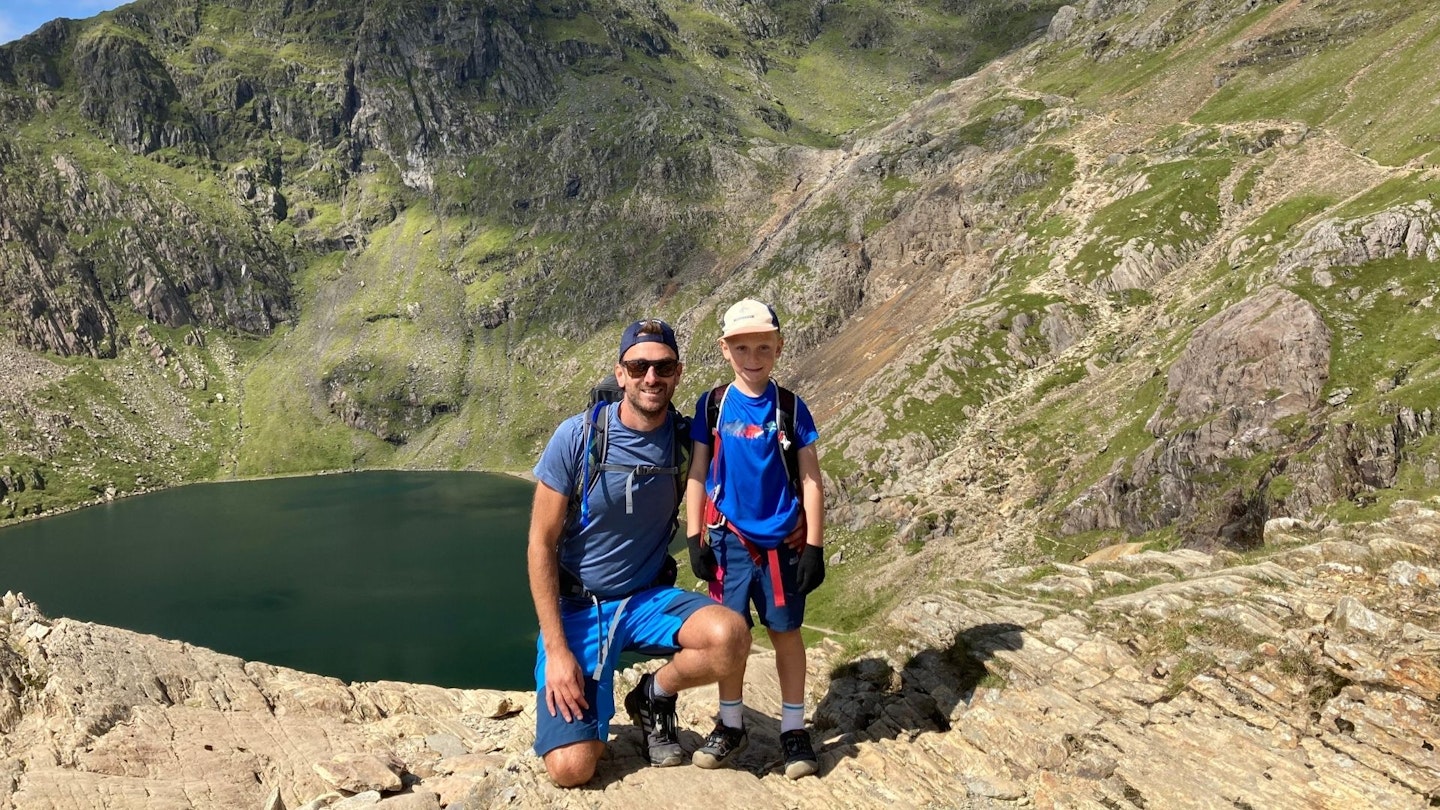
759, 555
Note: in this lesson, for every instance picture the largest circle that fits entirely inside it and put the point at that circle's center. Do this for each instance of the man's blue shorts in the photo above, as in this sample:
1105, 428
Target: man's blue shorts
745, 583
647, 622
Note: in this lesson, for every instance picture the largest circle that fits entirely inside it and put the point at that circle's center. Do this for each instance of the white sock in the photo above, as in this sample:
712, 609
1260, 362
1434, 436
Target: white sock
792, 716
658, 691
731, 713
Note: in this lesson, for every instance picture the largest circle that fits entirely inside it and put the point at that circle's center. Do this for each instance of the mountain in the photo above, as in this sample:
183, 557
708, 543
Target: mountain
325, 235
1052, 277
1118, 319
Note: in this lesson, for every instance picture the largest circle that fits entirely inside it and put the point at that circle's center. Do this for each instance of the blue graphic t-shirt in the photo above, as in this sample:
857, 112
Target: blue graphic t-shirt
616, 552
752, 488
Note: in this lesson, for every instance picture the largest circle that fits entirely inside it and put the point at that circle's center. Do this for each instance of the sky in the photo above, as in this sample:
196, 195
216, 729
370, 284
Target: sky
20, 17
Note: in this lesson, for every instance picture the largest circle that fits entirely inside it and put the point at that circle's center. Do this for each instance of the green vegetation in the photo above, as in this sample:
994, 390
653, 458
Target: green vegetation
1069, 548
1245, 186
848, 603
1350, 60
580, 28
1096, 72
1407, 190
1187, 644
870, 59
287, 429
1282, 219
1374, 331
1177, 209
1039, 176
463, 238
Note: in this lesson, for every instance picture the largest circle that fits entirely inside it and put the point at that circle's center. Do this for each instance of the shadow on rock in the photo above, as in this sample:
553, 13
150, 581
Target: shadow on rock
869, 700
626, 753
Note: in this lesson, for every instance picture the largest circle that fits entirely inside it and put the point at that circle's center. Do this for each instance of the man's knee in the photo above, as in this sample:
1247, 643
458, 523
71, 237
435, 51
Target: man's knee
728, 634
573, 765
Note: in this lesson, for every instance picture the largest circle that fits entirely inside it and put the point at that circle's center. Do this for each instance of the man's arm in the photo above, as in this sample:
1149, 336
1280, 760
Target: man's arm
564, 680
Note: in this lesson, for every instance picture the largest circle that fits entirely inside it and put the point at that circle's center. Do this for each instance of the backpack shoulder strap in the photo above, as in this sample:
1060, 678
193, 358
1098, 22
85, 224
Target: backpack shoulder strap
787, 409
789, 450
712, 407
680, 457
596, 440
681, 449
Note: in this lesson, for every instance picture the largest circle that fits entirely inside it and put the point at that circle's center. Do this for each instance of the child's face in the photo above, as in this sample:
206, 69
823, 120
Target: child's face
752, 356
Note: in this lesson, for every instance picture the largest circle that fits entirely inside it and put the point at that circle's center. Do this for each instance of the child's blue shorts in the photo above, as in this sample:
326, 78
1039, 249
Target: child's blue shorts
647, 622
745, 583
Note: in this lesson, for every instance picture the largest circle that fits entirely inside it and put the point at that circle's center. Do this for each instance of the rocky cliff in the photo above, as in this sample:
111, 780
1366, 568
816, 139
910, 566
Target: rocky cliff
1301, 675
1054, 278
1064, 295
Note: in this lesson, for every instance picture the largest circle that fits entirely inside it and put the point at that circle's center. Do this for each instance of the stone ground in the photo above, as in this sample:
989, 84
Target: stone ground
1305, 675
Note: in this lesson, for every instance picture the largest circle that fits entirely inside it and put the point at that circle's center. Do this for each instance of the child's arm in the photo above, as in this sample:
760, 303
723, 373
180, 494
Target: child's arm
811, 571
695, 490
812, 496
702, 558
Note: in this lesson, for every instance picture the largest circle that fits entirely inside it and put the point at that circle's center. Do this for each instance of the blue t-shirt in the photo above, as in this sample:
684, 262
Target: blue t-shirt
754, 493
616, 552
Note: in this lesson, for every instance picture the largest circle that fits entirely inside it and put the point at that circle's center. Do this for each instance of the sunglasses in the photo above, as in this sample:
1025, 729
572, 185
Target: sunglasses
639, 368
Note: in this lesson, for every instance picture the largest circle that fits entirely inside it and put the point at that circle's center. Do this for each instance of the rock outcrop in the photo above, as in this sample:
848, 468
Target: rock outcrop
1260, 361
1409, 231
1304, 675
78, 246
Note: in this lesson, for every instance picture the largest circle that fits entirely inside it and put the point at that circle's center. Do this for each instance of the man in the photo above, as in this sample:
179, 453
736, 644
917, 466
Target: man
601, 575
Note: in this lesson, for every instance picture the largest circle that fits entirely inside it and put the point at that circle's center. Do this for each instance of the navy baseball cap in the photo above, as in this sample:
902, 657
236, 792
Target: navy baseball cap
650, 330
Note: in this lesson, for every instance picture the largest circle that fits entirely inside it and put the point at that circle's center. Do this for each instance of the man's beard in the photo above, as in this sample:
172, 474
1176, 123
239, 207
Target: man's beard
632, 397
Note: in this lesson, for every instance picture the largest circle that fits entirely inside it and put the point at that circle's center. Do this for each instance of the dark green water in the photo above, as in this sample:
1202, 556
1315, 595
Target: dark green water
364, 576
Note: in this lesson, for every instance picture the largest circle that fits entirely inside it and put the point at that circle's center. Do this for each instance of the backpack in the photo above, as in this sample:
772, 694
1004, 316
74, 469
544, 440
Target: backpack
607, 390
785, 424
597, 442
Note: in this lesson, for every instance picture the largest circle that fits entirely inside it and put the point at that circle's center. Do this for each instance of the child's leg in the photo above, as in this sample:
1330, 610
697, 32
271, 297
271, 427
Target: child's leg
738, 580
732, 698
784, 623
790, 666
737, 577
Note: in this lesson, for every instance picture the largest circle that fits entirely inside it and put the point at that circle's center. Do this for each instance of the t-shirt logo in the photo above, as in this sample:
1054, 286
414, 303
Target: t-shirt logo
744, 431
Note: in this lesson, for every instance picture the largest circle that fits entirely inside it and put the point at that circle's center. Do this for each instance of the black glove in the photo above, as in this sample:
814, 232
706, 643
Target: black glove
702, 559
811, 570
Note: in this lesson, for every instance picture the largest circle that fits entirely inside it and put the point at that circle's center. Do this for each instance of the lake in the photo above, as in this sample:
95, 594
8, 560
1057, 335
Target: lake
409, 576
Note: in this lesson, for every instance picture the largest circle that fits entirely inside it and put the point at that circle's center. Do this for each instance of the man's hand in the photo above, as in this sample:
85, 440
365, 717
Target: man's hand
811, 570
702, 558
564, 685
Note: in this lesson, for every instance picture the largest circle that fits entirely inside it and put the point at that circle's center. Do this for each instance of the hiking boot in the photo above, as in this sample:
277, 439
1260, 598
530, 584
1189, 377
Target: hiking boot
722, 744
656, 719
799, 754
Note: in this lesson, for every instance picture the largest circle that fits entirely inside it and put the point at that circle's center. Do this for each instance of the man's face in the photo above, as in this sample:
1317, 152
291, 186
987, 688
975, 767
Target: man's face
752, 356
649, 392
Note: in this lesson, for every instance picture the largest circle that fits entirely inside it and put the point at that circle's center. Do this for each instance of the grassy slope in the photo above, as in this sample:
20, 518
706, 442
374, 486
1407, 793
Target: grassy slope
1333, 89
1180, 120
1156, 150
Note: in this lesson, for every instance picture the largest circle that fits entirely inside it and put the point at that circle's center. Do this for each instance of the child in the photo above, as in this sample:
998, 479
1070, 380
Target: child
755, 486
